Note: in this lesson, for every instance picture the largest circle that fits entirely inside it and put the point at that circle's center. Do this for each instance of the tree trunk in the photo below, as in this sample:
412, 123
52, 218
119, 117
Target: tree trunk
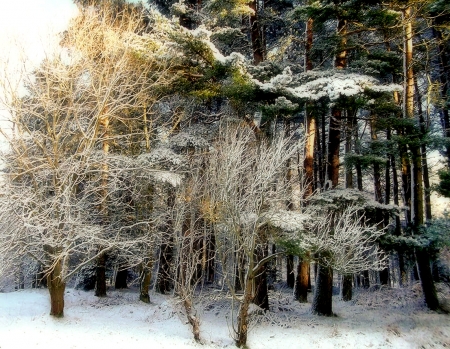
192, 318
347, 286
334, 145
165, 278
406, 181
261, 297
290, 276
417, 206
144, 285
384, 277
323, 292
444, 80
56, 287
121, 279
301, 284
398, 229
210, 268
366, 279
426, 279
403, 281
100, 283
242, 319
100, 290
257, 34
423, 148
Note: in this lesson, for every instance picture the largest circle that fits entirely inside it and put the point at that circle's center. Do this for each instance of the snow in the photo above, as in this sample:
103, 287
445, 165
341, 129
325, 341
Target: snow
333, 85
386, 318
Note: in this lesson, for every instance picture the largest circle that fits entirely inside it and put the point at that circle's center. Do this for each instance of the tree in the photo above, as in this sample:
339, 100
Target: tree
245, 188
60, 186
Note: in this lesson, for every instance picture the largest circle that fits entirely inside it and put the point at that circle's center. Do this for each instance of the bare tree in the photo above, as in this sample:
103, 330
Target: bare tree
246, 188
63, 171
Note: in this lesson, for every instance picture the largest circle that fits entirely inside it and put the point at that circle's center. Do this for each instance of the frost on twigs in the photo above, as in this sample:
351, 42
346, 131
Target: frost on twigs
347, 242
342, 239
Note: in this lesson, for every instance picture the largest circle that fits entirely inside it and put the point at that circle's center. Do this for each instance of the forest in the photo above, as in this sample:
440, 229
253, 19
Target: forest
238, 146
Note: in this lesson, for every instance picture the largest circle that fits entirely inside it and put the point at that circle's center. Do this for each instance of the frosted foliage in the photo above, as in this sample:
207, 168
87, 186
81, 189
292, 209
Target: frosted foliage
284, 103
323, 85
288, 221
162, 156
179, 8
172, 178
344, 241
336, 198
187, 140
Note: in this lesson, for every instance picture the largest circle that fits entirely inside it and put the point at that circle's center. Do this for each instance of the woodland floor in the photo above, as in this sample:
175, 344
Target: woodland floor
385, 318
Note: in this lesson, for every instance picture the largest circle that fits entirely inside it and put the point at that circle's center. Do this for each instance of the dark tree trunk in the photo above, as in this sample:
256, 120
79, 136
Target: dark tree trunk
100, 282
323, 292
444, 80
357, 281
398, 229
402, 269
301, 284
121, 279
165, 279
210, 269
426, 278
435, 271
384, 277
261, 297
321, 149
347, 287
239, 271
56, 287
257, 34
366, 279
426, 177
144, 285
334, 145
406, 181
290, 276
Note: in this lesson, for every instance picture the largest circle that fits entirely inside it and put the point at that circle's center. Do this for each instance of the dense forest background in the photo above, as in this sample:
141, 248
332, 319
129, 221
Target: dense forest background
233, 144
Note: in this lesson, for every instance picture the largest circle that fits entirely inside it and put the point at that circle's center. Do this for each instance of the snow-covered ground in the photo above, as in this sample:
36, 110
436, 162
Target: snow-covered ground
387, 318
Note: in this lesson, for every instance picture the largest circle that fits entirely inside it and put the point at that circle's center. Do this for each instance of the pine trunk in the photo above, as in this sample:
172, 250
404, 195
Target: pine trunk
257, 34
347, 288
384, 277
417, 215
426, 279
423, 148
366, 279
301, 284
444, 80
121, 279
323, 292
334, 145
290, 276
